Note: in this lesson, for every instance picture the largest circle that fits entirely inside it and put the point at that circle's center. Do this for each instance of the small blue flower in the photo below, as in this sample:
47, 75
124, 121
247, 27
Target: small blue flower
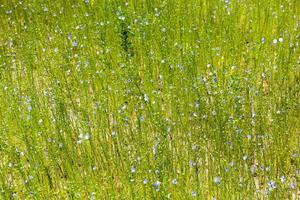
194, 194
156, 185
174, 181
132, 170
271, 185
293, 186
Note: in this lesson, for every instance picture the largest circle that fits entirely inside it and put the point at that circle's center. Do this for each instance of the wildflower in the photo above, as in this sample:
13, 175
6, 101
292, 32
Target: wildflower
122, 18
271, 185
132, 170
87, 136
293, 186
262, 40
280, 39
114, 133
275, 41
217, 180
214, 113
145, 181
92, 196
156, 185
79, 141
14, 194
194, 194
174, 181
141, 118
74, 43
146, 98
30, 177
194, 147
282, 179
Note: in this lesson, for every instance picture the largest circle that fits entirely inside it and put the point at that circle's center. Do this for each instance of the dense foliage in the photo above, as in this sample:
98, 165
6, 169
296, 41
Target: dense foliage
149, 99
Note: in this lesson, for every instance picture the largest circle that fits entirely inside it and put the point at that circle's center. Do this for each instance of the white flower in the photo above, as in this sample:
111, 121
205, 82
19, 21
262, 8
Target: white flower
74, 43
156, 185
271, 185
282, 178
194, 194
293, 185
146, 98
174, 181
132, 170
114, 133
217, 180
122, 18
87, 136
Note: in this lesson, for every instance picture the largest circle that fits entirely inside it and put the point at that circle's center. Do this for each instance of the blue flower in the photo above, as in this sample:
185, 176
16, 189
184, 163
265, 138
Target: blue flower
271, 185
194, 194
156, 185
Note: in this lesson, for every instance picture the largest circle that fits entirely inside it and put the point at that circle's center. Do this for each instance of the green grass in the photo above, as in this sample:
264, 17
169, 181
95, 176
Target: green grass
150, 99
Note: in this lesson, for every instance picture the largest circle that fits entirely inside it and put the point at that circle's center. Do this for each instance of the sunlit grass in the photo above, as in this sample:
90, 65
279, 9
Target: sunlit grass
149, 99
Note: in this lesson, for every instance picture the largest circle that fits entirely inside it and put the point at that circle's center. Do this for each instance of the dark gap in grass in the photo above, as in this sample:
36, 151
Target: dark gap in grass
125, 41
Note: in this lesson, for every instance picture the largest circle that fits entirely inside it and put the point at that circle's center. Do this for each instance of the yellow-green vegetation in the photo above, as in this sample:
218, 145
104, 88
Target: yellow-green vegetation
149, 99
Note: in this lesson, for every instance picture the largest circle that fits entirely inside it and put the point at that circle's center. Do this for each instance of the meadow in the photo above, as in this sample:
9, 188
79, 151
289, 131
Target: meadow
149, 99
